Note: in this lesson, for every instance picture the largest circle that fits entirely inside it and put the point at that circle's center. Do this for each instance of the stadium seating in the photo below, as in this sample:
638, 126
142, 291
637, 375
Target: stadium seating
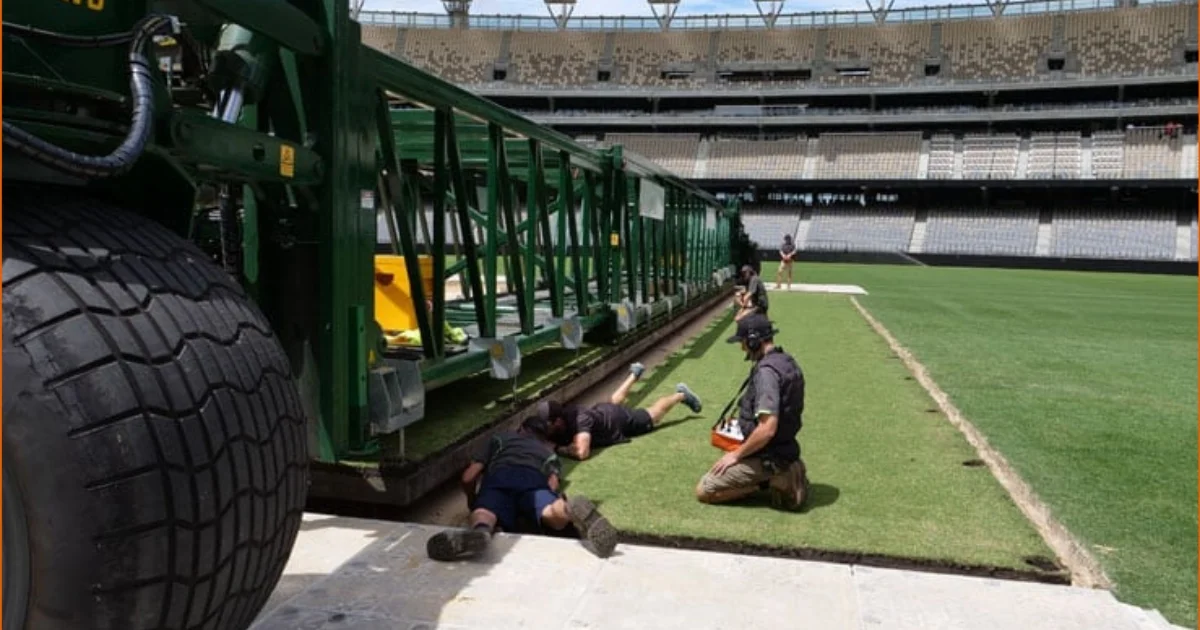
981, 232
674, 152
895, 53
1134, 235
1132, 154
941, 156
1126, 41
639, 58
555, 58
869, 155
1142, 39
1108, 154
753, 159
1149, 153
452, 55
767, 225
859, 229
381, 38
758, 45
990, 156
1054, 155
1003, 49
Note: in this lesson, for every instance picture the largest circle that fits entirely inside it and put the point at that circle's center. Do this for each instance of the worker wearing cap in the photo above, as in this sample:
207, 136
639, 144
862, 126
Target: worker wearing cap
769, 416
513, 476
754, 300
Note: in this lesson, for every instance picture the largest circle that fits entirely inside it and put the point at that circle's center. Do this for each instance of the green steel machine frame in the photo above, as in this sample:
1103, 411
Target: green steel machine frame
194, 194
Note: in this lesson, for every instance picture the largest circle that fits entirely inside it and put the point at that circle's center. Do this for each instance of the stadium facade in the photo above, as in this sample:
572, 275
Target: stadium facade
1047, 133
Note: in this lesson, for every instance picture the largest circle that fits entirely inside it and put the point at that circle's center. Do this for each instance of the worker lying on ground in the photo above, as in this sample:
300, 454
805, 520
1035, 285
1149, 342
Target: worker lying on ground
769, 417
516, 475
577, 430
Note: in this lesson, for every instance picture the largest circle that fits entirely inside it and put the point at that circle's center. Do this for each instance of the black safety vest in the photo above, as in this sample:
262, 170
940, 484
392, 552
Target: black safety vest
783, 447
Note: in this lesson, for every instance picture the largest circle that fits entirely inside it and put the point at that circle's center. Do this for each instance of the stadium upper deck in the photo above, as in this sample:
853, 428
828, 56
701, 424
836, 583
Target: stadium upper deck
1029, 41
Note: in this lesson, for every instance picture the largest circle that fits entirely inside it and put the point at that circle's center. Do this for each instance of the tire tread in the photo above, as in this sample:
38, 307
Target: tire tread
178, 393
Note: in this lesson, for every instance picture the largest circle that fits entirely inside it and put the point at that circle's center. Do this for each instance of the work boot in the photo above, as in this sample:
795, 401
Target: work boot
457, 544
689, 398
789, 488
636, 370
592, 526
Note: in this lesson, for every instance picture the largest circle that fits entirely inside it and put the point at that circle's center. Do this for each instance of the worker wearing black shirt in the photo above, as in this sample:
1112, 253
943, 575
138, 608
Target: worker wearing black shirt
515, 475
577, 430
769, 416
754, 299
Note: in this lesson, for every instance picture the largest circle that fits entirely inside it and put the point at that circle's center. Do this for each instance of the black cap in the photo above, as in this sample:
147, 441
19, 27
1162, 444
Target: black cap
756, 324
548, 410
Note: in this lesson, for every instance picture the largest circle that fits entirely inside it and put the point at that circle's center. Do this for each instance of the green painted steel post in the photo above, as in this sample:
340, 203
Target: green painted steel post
491, 223
345, 282
560, 247
533, 187
513, 273
487, 325
639, 252
581, 279
437, 245
538, 172
392, 193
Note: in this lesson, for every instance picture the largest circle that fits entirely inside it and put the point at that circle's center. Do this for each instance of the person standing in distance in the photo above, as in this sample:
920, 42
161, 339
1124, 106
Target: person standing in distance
787, 255
769, 416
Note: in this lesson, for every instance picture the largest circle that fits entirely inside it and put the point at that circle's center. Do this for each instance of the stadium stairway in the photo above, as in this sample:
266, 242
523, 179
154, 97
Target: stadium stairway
360, 574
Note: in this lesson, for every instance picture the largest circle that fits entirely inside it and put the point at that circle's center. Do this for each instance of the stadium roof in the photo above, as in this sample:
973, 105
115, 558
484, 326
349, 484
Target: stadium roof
769, 13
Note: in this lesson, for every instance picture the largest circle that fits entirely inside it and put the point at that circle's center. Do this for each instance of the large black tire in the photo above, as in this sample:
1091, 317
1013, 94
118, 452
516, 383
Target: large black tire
153, 432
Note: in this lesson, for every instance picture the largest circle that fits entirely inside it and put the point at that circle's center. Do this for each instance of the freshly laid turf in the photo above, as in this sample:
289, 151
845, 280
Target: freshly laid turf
888, 476
1086, 382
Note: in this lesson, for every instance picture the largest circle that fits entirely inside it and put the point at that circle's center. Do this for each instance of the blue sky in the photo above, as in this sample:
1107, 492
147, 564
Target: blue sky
637, 7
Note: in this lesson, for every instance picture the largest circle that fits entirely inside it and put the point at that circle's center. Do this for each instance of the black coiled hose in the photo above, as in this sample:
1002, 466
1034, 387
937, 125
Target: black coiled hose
141, 88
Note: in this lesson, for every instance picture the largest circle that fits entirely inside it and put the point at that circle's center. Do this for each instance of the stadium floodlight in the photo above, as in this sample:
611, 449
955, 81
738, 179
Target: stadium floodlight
458, 10
769, 10
664, 11
561, 11
882, 12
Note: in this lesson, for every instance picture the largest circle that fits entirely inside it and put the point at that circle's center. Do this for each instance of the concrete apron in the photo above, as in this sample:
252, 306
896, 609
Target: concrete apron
374, 575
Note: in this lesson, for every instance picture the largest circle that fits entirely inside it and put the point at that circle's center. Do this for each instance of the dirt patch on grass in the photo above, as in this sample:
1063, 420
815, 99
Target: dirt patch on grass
1042, 570
1084, 569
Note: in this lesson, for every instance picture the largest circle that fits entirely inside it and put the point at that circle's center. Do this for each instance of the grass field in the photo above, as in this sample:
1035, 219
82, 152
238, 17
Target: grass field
1085, 381
888, 476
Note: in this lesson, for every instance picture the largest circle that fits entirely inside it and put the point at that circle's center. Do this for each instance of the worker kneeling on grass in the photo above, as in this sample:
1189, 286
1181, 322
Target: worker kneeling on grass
753, 300
769, 417
516, 475
577, 430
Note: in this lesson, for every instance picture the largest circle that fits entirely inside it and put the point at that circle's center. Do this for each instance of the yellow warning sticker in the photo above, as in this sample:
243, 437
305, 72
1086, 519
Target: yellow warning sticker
287, 161
614, 239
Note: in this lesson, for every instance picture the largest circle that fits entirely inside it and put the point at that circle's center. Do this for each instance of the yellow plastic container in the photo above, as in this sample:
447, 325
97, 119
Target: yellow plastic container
394, 308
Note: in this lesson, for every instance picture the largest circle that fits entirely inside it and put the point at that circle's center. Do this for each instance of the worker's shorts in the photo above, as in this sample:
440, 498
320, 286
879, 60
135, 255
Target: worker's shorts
746, 474
639, 423
513, 493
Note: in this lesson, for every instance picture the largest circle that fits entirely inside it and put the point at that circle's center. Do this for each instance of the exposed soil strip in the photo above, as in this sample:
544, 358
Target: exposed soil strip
1085, 570
1041, 569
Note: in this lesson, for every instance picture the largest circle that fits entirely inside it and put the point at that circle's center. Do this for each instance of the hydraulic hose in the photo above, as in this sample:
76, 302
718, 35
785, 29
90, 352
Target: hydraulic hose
141, 89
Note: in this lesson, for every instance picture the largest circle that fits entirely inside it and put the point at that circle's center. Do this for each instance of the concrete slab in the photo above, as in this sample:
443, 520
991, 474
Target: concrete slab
367, 575
906, 600
841, 289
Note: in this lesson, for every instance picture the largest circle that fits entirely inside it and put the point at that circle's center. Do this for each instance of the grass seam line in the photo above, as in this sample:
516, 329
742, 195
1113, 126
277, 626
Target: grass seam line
1085, 570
